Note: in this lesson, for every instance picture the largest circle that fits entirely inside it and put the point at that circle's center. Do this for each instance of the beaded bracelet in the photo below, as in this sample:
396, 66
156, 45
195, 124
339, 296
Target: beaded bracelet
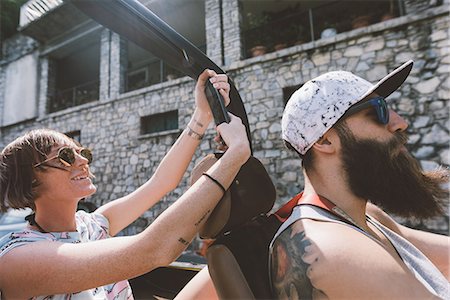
216, 182
194, 134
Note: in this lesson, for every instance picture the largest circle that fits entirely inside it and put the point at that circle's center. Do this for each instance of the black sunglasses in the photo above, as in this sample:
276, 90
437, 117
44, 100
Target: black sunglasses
380, 105
66, 156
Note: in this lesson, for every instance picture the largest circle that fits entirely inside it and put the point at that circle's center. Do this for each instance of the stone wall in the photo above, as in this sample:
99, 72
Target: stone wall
370, 52
125, 159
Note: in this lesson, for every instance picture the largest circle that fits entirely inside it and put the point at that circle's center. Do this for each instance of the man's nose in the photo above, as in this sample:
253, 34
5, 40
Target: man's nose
396, 122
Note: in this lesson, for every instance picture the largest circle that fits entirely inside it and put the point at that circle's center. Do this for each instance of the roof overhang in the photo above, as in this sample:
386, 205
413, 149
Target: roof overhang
44, 20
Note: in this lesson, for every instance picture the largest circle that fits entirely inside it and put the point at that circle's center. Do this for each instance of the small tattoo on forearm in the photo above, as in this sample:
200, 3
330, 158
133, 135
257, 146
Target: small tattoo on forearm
198, 123
183, 241
202, 218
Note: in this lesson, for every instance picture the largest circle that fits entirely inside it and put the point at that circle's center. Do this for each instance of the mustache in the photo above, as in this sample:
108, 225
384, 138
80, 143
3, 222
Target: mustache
398, 140
401, 137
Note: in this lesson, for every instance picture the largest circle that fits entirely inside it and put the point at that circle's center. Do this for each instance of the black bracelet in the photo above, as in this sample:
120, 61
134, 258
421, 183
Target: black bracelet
216, 182
194, 134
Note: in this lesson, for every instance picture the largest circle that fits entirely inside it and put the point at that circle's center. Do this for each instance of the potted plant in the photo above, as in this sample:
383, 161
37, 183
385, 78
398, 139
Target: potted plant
389, 14
361, 21
328, 31
258, 50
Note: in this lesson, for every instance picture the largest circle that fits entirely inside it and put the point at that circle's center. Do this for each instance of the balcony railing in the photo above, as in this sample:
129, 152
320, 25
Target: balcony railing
152, 71
297, 24
74, 96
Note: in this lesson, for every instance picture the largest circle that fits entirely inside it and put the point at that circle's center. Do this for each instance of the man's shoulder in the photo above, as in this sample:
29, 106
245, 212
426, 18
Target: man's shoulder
335, 259
336, 240
313, 255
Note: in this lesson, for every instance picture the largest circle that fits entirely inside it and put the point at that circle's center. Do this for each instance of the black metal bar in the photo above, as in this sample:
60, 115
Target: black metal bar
222, 44
311, 24
138, 24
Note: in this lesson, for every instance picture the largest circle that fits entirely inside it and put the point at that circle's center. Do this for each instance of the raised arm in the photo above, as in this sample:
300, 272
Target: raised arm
76, 267
169, 173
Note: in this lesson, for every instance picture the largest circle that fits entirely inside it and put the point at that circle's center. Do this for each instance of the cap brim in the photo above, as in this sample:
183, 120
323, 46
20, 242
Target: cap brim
391, 82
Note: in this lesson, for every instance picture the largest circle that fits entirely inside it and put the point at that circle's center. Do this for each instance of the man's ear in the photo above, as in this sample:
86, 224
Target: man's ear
325, 144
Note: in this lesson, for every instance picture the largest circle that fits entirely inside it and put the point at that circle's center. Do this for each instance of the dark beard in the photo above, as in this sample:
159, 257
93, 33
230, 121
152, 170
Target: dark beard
391, 178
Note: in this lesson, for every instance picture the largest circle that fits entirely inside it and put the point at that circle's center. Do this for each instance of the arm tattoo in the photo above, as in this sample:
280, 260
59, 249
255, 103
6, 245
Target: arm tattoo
202, 218
198, 123
289, 269
183, 241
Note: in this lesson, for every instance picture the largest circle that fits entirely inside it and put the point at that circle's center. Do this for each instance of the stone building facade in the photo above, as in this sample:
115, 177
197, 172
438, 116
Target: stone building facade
125, 158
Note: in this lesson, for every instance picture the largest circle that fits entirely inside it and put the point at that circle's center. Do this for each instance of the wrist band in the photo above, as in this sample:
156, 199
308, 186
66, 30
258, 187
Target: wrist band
192, 133
216, 182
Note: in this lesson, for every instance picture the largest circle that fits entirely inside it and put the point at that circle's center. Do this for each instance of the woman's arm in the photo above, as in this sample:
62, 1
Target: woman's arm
169, 173
43, 268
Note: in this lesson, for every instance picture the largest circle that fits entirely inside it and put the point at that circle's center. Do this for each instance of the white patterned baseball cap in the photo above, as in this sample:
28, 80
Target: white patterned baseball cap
315, 107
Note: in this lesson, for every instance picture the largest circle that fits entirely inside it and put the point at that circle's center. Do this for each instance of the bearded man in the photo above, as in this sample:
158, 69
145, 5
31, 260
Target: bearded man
338, 243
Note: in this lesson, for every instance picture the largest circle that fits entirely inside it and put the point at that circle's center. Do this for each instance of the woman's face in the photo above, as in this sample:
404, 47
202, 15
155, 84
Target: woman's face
64, 183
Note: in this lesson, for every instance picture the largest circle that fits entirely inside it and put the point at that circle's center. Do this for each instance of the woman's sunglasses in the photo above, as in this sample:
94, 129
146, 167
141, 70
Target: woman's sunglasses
380, 105
66, 156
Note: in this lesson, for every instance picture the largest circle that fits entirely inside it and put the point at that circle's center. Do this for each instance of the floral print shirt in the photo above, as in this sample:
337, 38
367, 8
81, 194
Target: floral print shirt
90, 227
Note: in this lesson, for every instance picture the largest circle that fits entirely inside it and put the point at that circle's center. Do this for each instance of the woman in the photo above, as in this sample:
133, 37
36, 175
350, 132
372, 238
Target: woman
67, 253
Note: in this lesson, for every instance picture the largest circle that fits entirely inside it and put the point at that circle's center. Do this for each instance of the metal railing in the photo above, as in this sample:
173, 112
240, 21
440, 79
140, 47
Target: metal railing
74, 96
298, 25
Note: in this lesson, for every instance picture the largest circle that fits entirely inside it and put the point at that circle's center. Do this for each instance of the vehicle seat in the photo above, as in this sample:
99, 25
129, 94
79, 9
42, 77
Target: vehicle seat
238, 258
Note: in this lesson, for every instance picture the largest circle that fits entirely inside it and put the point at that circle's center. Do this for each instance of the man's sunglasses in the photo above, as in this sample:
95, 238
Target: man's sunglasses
380, 105
66, 156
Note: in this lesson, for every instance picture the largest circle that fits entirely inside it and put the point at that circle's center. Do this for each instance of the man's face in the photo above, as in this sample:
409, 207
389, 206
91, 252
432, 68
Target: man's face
385, 173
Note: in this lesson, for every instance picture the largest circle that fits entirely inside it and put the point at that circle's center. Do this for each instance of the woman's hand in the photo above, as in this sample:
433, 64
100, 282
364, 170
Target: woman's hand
235, 137
220, 82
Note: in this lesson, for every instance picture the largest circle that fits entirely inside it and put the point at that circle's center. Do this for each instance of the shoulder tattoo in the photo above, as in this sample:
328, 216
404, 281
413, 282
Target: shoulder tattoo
290, 264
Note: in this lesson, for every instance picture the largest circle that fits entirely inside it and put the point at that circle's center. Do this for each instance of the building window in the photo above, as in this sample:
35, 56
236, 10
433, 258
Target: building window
159, 122
137, 79
74, 72
75, 135
188, 19
272, 25
144, 69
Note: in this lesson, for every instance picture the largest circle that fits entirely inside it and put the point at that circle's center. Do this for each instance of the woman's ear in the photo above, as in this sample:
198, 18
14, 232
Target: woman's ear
325, 144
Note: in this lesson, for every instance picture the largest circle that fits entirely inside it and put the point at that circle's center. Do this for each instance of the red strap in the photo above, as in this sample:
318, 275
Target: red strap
285, 211
317, 200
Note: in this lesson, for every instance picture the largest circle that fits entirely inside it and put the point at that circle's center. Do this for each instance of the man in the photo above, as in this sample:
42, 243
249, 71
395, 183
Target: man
337, 243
